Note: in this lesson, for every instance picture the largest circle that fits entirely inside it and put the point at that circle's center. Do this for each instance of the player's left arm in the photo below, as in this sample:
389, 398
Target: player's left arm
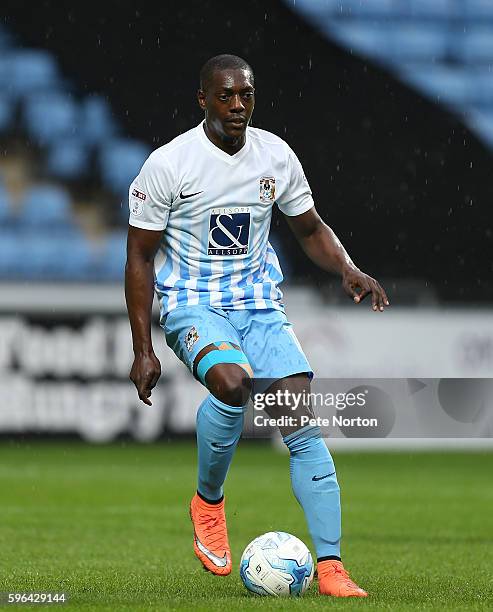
325, 249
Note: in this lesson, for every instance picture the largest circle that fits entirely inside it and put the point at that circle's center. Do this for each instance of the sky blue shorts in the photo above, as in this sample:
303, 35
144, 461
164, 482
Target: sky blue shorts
265, 336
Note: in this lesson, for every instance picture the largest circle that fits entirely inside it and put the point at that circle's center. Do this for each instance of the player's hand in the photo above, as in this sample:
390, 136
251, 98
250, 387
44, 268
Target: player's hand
358, 285
144, 374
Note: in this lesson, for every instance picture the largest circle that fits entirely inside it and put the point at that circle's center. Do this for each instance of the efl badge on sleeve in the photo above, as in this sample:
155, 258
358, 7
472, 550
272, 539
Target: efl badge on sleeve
137, 200
267, 189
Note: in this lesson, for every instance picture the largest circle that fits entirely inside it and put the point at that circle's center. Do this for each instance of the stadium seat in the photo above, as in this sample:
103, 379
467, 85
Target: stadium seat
96, 124
363, 38
68, 258
478, 10
481, 89
430, 9
120, 162
51, 116
475, 45
68, 158
442, 48
363, 8
114, 256
481, 122
11, 255
30, 70
441, 83
80, 258
417, 42
48, 207
319, 9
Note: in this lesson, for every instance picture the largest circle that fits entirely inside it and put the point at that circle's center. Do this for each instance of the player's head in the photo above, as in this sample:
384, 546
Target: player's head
227, 95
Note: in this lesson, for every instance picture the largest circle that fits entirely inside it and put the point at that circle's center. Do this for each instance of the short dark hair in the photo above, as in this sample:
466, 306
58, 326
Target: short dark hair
222, 62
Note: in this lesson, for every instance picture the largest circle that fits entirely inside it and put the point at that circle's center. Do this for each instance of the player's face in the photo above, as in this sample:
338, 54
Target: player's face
228, 103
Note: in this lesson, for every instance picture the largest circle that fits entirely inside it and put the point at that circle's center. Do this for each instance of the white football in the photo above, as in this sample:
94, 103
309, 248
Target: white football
277, 563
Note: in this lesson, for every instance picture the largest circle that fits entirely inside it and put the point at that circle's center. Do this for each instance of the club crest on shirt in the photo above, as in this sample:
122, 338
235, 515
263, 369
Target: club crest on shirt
267, 189
191, 338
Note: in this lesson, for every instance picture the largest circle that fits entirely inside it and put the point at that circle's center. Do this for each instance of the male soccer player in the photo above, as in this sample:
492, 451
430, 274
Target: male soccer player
200, 212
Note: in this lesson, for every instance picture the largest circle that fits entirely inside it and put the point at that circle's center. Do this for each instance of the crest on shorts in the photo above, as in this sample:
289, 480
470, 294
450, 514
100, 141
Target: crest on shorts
267, 189
191, 338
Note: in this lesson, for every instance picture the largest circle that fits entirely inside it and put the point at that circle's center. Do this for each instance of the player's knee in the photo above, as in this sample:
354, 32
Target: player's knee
225, 371
229, 383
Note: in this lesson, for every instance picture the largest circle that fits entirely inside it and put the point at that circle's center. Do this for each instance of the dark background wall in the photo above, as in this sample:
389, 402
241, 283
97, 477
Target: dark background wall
404, 184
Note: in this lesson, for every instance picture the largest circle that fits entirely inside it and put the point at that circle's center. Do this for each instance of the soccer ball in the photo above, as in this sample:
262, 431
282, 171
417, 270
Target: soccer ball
277, 563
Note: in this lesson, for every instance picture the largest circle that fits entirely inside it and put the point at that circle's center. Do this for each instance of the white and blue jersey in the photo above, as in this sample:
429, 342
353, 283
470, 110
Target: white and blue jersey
215, 210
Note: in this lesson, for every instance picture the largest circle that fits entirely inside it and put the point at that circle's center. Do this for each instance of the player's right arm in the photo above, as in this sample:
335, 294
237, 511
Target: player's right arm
139, 292
150, 200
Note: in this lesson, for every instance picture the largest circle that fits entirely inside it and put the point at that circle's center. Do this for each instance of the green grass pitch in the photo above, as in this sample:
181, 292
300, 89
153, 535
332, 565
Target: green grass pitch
109, 525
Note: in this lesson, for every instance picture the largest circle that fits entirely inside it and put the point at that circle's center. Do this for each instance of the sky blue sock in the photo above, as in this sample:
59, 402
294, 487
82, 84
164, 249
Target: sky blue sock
315, 486
219, 428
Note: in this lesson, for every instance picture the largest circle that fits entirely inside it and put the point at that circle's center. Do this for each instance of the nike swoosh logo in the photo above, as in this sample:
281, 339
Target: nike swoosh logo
222, 446
189, 195
219, 561
322, 477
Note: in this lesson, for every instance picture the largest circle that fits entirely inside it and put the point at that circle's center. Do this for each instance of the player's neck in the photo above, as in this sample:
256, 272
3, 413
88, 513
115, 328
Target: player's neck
228, 146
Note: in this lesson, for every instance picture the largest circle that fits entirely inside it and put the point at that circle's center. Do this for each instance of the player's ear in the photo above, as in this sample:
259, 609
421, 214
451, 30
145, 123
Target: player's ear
201, 98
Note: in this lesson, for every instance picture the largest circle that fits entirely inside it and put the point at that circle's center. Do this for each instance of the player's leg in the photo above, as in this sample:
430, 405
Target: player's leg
313, 473
224, 369
208, 344
275, 353
315, 486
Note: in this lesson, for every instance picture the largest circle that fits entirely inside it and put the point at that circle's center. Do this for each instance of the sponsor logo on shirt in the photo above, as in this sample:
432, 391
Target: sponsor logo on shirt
229, 231
267, 189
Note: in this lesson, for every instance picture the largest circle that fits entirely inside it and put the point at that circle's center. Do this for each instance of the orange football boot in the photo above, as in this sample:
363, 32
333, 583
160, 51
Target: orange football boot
334, 580
210, 535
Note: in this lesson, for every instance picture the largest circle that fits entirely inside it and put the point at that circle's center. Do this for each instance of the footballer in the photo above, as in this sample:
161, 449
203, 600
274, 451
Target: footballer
200, 213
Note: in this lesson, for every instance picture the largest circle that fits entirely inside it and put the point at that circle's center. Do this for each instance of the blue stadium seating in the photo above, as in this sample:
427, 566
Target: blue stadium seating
11, 255
363, 37
68, 158
78, 259
46, 207
475, 45
120, 162
449, 85
481, 90
443, 48
51, 116
113, 257
482, 123
417, 42
434, 9
97, 124
478, 10
41, 240
31, 70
